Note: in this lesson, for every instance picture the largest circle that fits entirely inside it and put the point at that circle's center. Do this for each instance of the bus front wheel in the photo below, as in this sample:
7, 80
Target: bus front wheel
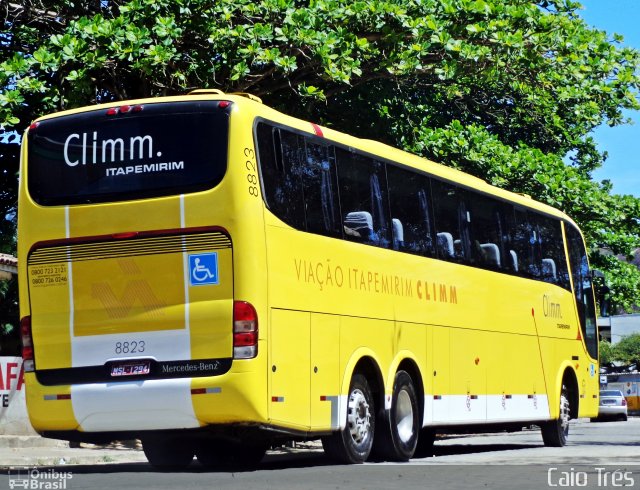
353, 443
556, 432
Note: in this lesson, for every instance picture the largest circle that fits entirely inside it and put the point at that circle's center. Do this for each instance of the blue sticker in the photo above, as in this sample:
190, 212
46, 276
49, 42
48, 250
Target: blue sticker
592, 370
203, 269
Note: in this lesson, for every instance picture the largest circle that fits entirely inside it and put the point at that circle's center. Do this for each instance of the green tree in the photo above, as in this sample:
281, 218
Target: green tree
503, 89
627, 351
607, 353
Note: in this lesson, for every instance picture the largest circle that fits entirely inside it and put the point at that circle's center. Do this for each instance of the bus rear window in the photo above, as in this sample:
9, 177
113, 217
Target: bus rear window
155, 150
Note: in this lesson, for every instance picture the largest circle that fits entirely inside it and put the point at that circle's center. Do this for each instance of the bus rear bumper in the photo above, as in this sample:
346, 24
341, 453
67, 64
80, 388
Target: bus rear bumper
145, 405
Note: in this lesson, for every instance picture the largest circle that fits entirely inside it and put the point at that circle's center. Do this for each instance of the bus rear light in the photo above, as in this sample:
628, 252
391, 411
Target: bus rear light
124, 109
245, 339
28, 358
245, 330
34, 126
223, 104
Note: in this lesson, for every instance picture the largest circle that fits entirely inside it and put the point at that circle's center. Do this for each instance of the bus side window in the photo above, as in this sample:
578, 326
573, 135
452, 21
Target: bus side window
488, 231
320, 187
525, 242
451, 218
410, 207
554, 262
363, 199
279, 157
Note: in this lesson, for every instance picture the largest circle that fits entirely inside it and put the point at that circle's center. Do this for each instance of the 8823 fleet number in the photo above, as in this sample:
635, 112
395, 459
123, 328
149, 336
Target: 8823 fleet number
130, 347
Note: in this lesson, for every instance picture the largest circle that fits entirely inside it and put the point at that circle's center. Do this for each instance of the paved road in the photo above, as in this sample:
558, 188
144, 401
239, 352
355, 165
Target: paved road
589, 443
600, 455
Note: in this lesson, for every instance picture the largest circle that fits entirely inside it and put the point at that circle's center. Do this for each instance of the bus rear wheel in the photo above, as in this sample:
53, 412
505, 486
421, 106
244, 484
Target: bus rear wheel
353, 443
555, 433
397, 439
168, 453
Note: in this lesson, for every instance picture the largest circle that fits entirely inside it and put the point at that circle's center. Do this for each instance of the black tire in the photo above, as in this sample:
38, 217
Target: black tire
353, 444
622, 417
555, 433
398, 430
424, 448
228, 455
168, 453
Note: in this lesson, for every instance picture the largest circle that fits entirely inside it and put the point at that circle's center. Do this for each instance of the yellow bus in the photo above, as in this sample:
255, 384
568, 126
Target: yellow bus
214, 277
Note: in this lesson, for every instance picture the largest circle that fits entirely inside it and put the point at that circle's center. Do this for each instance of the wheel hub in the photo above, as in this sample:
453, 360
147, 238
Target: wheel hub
565, 414
359, 417
404, 416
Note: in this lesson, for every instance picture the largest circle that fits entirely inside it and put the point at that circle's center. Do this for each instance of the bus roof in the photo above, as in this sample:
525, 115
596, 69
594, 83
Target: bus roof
382, 150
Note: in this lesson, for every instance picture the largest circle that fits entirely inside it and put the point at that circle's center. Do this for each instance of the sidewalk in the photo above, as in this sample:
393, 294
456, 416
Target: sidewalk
16, 451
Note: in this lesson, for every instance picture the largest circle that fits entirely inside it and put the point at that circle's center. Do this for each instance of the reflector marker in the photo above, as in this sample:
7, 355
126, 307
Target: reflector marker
508, 397
473, 397
206, 391
277, 399
437, 397
64, 396
335, 409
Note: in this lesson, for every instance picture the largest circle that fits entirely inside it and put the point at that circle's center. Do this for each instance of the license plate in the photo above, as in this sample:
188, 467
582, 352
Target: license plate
137, 368
608, 402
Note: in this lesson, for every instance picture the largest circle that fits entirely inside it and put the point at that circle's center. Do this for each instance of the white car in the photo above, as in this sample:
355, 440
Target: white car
613, 405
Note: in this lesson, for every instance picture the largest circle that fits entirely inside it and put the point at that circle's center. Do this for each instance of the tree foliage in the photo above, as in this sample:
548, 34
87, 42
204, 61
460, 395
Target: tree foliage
626, 352
503, 89
606, 353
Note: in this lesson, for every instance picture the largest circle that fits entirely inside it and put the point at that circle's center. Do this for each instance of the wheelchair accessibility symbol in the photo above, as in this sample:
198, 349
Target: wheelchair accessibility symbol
203, 269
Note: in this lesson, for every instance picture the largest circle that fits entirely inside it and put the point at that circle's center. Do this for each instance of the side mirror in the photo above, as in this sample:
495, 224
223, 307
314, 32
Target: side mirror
605, 306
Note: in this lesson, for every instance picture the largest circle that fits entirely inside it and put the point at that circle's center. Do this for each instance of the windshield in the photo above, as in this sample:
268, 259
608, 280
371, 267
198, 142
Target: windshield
133, 152
583, 290
611, 393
